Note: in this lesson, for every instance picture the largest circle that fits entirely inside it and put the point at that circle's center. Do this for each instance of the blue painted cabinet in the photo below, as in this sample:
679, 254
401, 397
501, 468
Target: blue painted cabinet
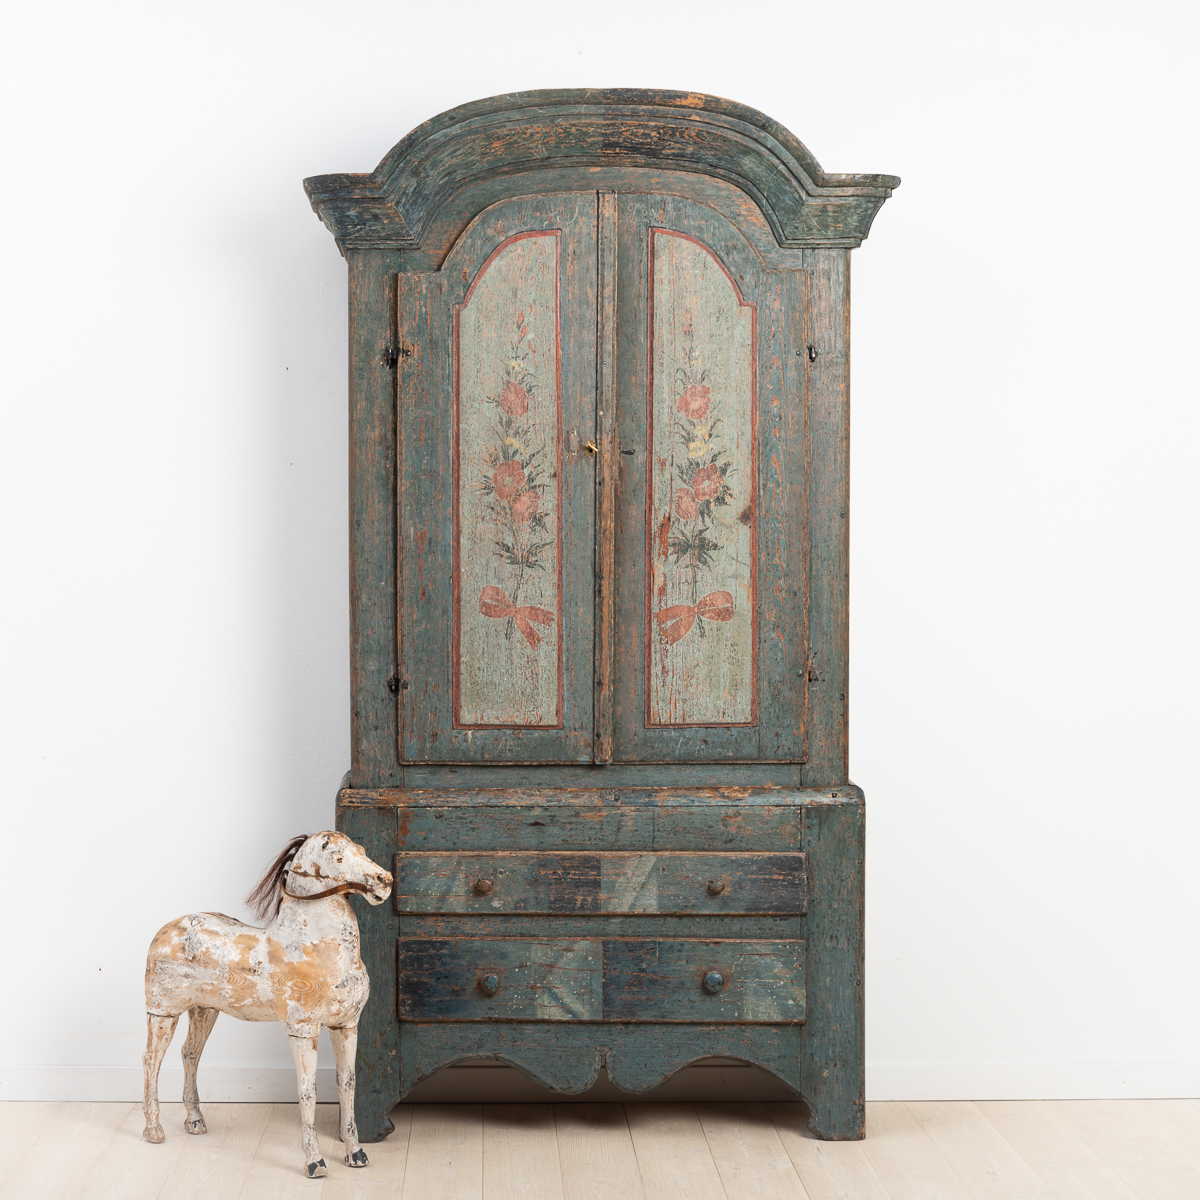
599, 416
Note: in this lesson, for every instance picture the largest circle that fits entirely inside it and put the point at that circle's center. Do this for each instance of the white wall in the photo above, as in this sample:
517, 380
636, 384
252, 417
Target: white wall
1024, 546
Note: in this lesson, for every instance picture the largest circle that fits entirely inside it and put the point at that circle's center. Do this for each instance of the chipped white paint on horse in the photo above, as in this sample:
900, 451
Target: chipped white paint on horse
303, 969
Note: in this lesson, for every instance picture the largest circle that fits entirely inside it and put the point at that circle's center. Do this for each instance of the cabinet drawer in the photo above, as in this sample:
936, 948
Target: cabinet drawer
601, 979
582, 883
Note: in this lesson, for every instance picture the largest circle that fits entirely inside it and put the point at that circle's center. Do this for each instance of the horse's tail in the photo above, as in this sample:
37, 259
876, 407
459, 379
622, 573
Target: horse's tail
268, 895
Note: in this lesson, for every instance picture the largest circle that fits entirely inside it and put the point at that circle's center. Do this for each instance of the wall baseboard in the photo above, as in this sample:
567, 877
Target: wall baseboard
716, 1080
1032, 1080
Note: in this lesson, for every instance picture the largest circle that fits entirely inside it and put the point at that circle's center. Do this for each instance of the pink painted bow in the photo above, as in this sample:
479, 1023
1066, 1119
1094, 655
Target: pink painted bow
679, 618
494, 603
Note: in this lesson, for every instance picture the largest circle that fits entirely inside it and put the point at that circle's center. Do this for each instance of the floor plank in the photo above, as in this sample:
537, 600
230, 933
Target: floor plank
21, 1124
59, 1163
1152, 1171
595, 1153
1175, 1123
749, 1155
1068, 1165
131, 1168
383, 1177
672, 1154
828, 1170
908, 1164
977, 1152
520, 1153
445, 1153
277, 1168
998, 1150
214, 1165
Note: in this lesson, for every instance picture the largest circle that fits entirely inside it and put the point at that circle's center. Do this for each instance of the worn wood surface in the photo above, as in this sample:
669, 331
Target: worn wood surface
453, 826
767, 723
575, 883
526, 670
601, 827
607, 390
567, 1057
303, 969
375, 441
504, 135
832, 1056
508, 562
600, 979
534, 694
828, 517
701, 496
704, 981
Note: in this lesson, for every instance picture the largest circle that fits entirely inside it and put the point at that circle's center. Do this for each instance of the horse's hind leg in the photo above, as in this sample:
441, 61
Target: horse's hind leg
200, 1023
159, 1031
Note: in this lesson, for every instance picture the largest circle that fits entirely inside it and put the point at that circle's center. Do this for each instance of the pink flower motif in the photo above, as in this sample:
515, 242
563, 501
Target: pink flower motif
695, 401
686, 508
706, 482
514, 399
525, 505
508, 480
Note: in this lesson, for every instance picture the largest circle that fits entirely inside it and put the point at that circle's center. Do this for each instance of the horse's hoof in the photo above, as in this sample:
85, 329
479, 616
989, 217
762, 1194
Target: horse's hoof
196, 1126
316, 1170
154, 1133
357, 1159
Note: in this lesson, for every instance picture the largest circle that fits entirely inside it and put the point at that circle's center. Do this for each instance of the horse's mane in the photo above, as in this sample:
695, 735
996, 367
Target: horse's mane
266, 898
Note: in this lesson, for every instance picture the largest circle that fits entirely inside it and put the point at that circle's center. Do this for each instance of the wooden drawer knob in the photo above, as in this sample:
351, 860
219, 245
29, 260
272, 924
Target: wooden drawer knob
482, 885
714, 981
717, 886
489, 985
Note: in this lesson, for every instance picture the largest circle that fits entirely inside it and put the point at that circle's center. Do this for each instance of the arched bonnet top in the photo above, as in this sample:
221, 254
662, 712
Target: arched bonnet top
506, 136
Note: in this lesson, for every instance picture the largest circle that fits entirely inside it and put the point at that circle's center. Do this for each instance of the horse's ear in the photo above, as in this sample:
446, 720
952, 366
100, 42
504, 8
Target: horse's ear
267, 896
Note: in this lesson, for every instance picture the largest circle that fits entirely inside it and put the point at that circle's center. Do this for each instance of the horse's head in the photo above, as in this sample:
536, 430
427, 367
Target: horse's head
329, 863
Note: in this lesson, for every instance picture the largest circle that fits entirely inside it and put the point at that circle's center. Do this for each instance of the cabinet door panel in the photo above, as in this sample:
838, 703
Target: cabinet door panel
701, 606
496, 400
711, 561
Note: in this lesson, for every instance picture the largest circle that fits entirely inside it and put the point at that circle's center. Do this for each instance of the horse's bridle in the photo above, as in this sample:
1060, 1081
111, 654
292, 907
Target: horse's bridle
333, 891
363, 888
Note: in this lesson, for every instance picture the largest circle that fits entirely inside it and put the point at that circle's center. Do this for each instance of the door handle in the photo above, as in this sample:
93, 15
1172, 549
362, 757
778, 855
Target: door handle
591, 448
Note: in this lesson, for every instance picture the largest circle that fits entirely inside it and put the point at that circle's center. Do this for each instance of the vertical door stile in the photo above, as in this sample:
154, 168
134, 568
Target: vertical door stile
606, 474
394, 352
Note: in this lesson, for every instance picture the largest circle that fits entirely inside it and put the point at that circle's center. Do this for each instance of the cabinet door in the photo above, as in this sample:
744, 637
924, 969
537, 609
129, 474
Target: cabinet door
709, 542
496, 402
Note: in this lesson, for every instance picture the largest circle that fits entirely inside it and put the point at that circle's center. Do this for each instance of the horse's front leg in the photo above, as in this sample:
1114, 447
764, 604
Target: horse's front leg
159, 1031
345, 1048
200, 1023
304, 1050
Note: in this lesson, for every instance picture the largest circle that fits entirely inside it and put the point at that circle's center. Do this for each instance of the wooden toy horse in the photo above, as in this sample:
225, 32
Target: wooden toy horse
303, 969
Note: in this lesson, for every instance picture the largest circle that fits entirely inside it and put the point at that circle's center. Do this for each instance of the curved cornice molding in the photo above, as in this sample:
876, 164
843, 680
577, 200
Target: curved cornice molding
392, 207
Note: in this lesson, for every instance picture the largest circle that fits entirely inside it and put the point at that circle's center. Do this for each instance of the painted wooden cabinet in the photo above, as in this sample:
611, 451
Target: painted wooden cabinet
599, 415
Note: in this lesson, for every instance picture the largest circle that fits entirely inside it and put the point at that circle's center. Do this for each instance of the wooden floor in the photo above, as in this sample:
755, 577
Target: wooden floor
1069, 1149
